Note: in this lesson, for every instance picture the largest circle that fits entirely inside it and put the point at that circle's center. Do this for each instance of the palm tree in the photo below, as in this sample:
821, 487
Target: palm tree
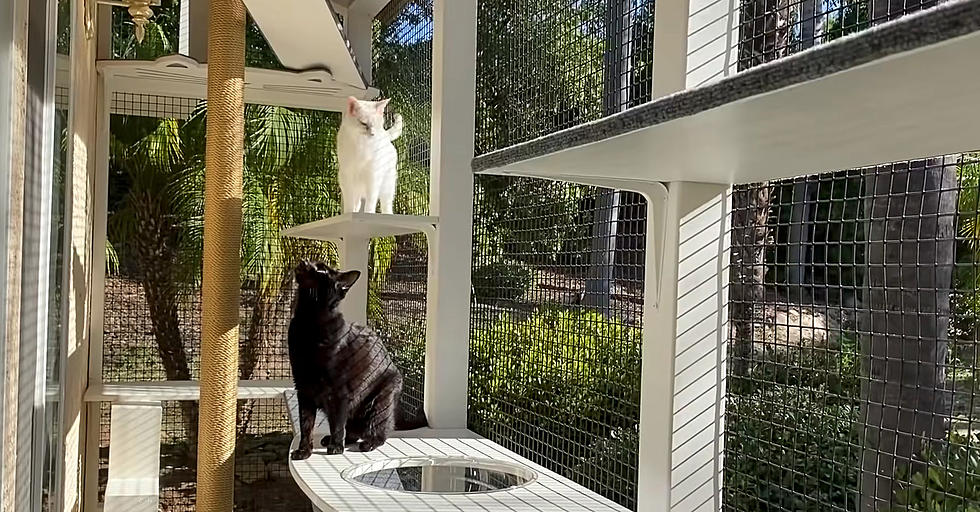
149, 225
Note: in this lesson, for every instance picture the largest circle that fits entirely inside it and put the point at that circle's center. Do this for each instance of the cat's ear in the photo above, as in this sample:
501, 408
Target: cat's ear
351, 105
345, 280
382, 105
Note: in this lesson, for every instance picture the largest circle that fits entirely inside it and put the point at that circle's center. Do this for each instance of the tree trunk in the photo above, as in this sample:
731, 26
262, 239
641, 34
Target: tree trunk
265, 306
750, 231
155, 244
911, 217
910, 211
763, 36
798, 250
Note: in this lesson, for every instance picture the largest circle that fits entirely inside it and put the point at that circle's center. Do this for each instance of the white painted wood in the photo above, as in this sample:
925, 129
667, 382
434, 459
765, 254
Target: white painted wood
869, 114
134, 458
451, 195
306, 34
193, 38
364, 225
320, 477
711, 41
183, 77
360, 33
100, 202
368, 7
179, 390
353, 252
670, 40
690, 313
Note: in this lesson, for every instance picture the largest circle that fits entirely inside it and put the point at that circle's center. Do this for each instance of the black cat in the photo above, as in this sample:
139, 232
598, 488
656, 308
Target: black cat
340, 367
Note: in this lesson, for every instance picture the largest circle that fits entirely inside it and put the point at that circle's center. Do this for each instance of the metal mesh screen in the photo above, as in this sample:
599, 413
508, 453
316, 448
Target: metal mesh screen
772, 29
546, 65
152, 293
852, 362
262, 479
555, 320
399, 265
558, 268
151, 323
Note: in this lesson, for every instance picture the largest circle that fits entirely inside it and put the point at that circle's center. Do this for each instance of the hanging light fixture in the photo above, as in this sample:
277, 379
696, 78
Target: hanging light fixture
139, 10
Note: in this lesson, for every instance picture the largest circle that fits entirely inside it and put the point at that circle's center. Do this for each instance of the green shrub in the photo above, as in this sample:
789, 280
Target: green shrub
791, 448
502, 280
949, 480
560, 381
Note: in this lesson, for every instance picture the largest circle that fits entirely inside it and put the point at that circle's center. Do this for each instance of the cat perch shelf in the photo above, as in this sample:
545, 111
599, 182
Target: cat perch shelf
307, 34
183, 77
882, 95
363, 225
321, 477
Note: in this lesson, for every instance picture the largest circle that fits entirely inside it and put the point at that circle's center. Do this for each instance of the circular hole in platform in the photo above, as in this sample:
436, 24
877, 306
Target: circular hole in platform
440, 475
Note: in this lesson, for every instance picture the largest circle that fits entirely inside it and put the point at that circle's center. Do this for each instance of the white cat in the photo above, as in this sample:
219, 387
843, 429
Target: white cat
367, 160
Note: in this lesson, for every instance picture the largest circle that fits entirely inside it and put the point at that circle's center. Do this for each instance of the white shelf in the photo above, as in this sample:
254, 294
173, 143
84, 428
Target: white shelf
188, 390
320, 476
363, 225
903, 90
183, 77
306, 34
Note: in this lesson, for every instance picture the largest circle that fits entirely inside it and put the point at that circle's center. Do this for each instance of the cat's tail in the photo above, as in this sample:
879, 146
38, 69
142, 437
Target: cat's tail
396, 128
403, 423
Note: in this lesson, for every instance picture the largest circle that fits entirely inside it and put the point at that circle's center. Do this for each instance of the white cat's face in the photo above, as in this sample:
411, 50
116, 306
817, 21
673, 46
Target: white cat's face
370, 114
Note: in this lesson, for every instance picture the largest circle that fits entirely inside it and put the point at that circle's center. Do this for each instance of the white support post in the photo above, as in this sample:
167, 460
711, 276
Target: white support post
451, 199
194, 29
100, 191
682, 397
696, 42
353, 253
682, 383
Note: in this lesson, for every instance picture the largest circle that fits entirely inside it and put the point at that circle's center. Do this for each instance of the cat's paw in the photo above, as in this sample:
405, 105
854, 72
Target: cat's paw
302, 454
325, 442
333, 449
370, 445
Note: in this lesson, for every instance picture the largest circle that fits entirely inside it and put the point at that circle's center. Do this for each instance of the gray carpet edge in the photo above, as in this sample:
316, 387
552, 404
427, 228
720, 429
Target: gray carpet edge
942, 23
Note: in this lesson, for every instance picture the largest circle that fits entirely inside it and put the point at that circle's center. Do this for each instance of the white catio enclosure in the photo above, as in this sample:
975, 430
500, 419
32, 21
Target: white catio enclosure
711, 124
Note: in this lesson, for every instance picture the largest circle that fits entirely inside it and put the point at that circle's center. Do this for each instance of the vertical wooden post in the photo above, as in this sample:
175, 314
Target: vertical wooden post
221, 287
451, 198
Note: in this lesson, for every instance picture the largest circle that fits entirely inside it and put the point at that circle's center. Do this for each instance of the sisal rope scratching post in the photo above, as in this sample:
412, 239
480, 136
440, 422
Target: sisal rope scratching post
221, 287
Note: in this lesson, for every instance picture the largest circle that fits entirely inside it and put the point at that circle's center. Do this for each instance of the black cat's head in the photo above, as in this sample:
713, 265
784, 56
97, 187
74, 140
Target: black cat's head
321, 285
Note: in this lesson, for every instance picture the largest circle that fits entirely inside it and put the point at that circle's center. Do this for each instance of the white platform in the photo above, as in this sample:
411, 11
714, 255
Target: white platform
183, 77
363, 225
306, 34
189, 390
912, 104
319, 477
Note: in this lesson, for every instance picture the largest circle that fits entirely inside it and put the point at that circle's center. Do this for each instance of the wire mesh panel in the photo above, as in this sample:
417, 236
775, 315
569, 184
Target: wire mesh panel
771, 29
555, 330
262, 479
399, 265
546, 65
852, 358
152, 291
558, 268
